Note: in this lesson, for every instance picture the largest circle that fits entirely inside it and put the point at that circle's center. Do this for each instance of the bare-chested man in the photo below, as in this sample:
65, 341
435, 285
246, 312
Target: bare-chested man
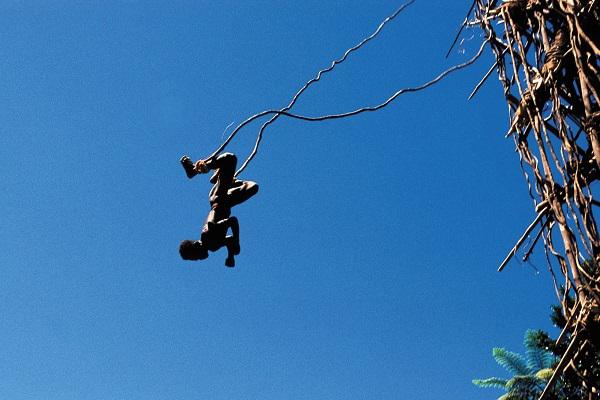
226, 193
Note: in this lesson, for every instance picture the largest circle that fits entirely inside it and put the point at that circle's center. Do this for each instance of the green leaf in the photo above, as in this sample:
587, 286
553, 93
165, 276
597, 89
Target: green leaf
512, 362
544, 374
491, 383
537, 357
522, 383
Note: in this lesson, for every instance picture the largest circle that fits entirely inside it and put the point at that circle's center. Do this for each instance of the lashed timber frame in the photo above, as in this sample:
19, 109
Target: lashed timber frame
548, 62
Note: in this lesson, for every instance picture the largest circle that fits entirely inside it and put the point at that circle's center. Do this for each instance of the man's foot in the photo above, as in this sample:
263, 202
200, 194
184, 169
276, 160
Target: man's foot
230, 262
188, 166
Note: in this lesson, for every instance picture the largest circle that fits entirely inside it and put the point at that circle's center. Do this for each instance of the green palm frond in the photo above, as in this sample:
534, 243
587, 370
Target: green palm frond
550, 360
512, 362
493, 382
544, 374
529, 374
522, 383
537, 357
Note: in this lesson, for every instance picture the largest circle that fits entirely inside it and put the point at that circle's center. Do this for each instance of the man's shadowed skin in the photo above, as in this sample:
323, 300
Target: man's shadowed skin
226, 193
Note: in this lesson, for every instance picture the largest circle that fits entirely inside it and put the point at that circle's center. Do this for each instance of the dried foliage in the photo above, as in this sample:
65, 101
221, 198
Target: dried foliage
548, 62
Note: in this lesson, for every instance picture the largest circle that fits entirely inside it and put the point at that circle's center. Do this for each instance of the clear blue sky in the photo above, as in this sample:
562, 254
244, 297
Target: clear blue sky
369, 256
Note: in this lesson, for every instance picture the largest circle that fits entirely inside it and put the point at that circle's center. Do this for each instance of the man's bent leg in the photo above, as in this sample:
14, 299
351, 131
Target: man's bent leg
241, 192
233, 242
230, 260
233, 248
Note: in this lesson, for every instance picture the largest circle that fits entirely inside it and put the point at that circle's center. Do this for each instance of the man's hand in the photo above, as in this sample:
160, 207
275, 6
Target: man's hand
201, 167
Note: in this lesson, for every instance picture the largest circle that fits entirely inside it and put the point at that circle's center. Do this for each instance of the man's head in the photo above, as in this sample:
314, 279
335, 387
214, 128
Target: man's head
192, 250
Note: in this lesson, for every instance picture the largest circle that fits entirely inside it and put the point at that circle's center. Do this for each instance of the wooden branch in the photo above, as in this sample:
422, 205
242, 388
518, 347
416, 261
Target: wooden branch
537, 237
486, 76
461, 28
522, 238
561, 365
482, 81
568, 323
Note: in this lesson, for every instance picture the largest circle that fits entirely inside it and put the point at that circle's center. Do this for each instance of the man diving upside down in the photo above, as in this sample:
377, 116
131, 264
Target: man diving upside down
226, 193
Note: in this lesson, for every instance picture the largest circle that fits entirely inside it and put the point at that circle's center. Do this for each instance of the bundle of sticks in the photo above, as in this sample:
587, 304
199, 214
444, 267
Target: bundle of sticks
547, 57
